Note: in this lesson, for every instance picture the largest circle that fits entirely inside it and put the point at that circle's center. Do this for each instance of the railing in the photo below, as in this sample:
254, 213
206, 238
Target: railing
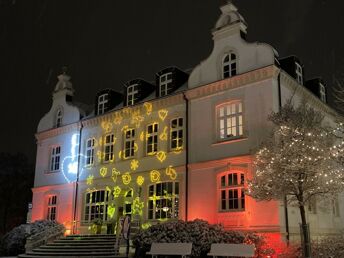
44, 237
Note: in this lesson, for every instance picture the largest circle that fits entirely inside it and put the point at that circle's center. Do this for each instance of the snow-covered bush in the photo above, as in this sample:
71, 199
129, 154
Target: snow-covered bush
198, 232
13, 242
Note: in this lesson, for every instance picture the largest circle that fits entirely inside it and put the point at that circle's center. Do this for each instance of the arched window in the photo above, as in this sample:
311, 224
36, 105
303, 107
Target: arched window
232, 195
229, 65
59, 116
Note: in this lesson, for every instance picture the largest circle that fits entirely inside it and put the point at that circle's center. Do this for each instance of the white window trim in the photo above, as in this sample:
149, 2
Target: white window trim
59, 117
153, 135
164, 88
102, 101
223, 119
52, 208
109, 148
130, 141
90, 151
226, 187
91, 204
299, 73
55, 159
229, 64
180, 141
132, 90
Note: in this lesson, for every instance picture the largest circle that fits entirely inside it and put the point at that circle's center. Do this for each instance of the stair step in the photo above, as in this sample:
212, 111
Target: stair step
73, 250
64, 253
70, 256
77, 246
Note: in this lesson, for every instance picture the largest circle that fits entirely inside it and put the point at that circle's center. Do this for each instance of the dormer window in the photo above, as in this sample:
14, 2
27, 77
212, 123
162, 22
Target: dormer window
298, 71
59, 117
322, 92
102, 103
132, 91
165, 84
229, 65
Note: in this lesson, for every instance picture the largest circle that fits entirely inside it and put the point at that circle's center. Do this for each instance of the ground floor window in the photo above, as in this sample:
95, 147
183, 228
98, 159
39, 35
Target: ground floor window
96, 205
163, 200
232, 192
52, 207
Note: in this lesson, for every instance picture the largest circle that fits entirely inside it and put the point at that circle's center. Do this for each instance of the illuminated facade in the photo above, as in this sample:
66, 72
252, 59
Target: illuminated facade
177, 149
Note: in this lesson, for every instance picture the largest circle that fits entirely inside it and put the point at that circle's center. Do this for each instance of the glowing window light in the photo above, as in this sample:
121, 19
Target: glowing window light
126, 178
115, 173
162, 114
89, 180
155, 176
134, 164
149, 108
103, 171
170, 171
140, 180
116, 191
161, 156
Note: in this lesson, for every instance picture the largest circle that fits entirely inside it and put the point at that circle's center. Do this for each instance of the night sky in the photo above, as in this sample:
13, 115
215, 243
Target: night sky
106, 43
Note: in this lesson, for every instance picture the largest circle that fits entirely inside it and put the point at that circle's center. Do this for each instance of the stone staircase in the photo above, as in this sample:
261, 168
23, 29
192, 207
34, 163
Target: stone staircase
96, 246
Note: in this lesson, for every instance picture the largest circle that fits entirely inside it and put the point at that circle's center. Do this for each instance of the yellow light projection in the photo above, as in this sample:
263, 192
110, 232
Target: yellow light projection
108, 189
163, 135
125, 128
126, 178
111, 210
170, 171
114, 174
103, 171
142, 136
136, 147
134, 164
162, 114
161, 156
140, 180
107, 126
146, 225
116, 191
100, 156
149, 107
137, 206
136, 118
126, 111
155, 176
118, 118
89, 180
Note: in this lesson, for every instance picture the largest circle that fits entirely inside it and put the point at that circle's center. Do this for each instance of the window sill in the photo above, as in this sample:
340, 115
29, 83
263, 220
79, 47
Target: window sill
49, 172
231, 211
229, 141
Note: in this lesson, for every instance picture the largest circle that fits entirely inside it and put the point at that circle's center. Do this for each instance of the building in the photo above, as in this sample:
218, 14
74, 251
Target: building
179, 148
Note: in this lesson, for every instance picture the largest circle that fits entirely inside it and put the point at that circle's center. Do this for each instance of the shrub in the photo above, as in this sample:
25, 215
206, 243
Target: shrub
198, 232
13, 243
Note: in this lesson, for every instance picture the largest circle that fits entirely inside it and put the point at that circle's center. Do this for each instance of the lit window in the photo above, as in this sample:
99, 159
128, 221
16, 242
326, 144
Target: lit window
165, 84
230, 120
229, 65
132, 92
299, 76
176, 134
59, 116
232, 195
108, 147
129, 143
52, 207
163, 200
152, 139
96, 205
102, 103
90, 151
55, 157
322, 93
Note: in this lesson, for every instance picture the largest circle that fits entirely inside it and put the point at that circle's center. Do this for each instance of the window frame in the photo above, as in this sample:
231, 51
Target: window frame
103, 100
55, 159
97, 204
52, 207
131, 141
132, 91
109, 148
153, 197
165, 86
237, 202
231, 64
178, 129
222, 127
155, 139
59, 117
89, 157
299, 73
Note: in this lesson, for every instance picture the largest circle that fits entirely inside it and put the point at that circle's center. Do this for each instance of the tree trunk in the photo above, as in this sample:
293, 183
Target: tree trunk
306, 240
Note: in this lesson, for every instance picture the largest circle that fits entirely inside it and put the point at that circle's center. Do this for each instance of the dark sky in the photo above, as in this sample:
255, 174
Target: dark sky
106, 43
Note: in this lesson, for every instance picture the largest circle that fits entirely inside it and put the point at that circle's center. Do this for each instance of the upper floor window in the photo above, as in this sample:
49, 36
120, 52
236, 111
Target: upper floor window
129, 143
230, 120
298, 71
322, 92
55, 157
163, 200
176, 134
90, 144
96, 205
229, 65
132, 91
165, 83
52, 207
232, 195
108, 147
152, 139
59, 116
102, 103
